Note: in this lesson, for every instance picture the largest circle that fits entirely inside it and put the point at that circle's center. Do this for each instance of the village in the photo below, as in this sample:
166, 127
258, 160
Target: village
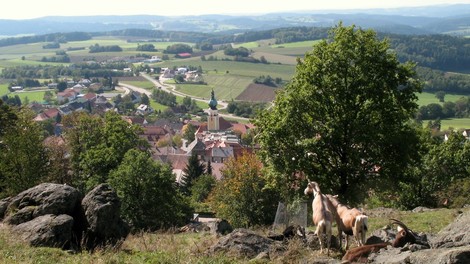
215, 140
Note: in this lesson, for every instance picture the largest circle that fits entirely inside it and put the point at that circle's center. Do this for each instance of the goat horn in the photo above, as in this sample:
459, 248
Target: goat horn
400, 223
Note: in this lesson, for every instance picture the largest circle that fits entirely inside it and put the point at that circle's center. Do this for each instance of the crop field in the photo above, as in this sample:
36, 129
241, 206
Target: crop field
138, 81
299, 44
225, 87
239, 68
258, 93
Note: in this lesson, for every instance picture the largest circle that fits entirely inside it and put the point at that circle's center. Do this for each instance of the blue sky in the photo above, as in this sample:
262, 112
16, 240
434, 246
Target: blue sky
22, 9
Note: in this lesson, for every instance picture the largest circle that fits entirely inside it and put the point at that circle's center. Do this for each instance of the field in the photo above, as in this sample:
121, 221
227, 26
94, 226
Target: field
4, 89
33, 96
429, 98
455, 123
257, 93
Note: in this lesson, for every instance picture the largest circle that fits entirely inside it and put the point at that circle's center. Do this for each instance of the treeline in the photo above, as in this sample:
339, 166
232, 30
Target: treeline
164, 98
436, 80
442, 52
54, 37
50, 72
111, 48
245, 109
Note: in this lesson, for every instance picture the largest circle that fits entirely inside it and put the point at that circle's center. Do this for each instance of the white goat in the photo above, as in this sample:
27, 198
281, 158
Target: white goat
353, 222
322, 216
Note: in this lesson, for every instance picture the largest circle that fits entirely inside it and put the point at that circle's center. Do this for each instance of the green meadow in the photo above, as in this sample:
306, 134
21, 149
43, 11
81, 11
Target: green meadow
4, 89
33, 96
426, 98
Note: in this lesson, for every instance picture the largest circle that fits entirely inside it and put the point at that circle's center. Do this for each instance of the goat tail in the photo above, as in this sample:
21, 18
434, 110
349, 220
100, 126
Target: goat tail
361, 227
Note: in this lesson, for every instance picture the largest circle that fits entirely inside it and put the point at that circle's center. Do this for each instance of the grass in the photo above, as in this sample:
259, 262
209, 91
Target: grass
4, 89
37, 96
142, 84
225, 86
164, 247
426, 98
454, 123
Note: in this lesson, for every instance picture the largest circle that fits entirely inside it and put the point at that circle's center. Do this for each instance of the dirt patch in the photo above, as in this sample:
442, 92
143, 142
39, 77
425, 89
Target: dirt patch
258, 93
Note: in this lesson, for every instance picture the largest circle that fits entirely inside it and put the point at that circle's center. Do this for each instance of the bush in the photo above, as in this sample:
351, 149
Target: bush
241, 197
456, 195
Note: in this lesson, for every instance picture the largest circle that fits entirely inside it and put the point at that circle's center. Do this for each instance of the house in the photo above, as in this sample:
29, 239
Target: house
136, 97
47, 114
85, 82
168, 73
52, 85
143, 109
17, 88
183, 55
66, 96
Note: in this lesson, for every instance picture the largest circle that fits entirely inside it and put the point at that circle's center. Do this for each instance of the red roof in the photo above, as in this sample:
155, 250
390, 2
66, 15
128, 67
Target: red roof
184, 54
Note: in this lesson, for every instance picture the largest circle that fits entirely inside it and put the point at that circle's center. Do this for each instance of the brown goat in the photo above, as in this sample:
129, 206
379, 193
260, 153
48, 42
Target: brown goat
322, 215
404, 235
352, 221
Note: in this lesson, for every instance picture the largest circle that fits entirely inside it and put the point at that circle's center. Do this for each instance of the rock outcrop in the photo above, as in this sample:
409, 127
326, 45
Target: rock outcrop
54, 215
451, 246
102, 211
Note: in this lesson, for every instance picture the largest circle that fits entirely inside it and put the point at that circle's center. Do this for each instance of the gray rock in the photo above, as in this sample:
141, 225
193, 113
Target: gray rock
46, 198
456, 234
220, 227
3, 206
25, 214
102, 211
47, 231
243, 243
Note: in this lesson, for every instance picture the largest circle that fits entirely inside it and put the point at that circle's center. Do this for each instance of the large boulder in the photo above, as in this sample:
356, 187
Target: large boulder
45, 198
102, 211
456, 234
47, 231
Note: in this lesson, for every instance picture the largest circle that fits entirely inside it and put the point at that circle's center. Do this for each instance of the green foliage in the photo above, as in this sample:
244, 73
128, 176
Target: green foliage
189, 132
111, 48
178, 48
164, 98
443, 163
456, 195
245, 109
22, 155
201, 188
241, 196
193, 170
149, 199
98, 145
146, 47
343, 115
241, 52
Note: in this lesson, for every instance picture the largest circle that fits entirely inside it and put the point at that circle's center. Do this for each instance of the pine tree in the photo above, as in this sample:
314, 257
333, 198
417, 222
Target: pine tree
193, 170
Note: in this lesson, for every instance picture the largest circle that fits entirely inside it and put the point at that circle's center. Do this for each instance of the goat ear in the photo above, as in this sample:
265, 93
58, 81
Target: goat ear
335, 196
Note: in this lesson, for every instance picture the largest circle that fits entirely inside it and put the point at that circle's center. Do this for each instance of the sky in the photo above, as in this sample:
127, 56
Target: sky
25, 9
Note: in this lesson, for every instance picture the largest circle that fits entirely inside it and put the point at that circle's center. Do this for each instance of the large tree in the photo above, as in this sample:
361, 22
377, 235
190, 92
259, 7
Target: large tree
98, 145
22, 155
150, 199
343, 119
193, 170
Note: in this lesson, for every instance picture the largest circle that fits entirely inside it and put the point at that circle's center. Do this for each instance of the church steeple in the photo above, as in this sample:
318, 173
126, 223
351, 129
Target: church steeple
213, 101
213, 119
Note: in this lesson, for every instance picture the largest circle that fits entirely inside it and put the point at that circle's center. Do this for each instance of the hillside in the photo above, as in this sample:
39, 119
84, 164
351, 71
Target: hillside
412, 20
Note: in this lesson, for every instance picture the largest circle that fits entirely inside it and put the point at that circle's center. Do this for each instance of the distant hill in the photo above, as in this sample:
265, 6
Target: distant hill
447, 19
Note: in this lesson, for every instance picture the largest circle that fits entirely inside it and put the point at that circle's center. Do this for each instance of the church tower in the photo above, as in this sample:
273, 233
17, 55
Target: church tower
213, 118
